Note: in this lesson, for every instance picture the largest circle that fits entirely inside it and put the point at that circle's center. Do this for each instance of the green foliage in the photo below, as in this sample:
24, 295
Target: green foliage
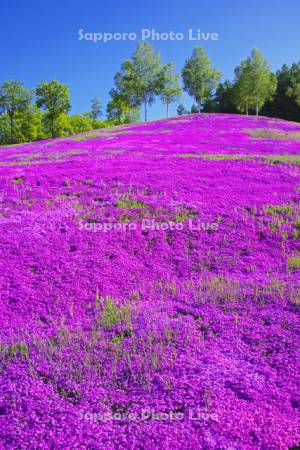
294, 263
18, 180
14, 350
224, 97
81, 123
171, 91
242, 95
275, 134
4, 129
222, 101
254, 83
199, 77
276, 210
293, 159
22, 121
101, 124
293, 91
86, 136
263, 81
285, 103
98, 300
54, 97
194, 109
28, 126
112, 314
96, 110
181, 111
126, 203
141, 78
63, 126
271, 159
14, 99
119, 109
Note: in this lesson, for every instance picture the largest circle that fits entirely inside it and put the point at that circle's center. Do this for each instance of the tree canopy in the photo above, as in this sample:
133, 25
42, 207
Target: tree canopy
199, 77
254, 83
54, 97
14, 99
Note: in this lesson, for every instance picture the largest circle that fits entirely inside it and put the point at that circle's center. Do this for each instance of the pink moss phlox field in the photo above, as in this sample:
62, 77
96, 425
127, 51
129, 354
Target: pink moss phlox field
150, 287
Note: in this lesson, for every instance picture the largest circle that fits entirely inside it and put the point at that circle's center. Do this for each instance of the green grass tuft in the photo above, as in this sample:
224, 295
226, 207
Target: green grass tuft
273, 134
19, 180
126, 203
112, 314
294, 263
276, 210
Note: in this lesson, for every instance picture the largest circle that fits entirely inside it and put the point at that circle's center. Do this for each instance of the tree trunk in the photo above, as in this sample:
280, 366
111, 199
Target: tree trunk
167, 110
199, 106
247, 110
52, 127
257, 109
146, 111
11, 129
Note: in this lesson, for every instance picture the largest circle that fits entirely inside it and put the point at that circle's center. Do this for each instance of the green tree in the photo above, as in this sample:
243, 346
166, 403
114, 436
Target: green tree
14, 98
141, 78
293, 91
29, 125
80, 123
181, 111
194, 109
54, 98
171, 91
96, 110
243, 97
63, 126
254, 83
120, 110
285, 103
4, 129
223, 99
199, 77
263, 81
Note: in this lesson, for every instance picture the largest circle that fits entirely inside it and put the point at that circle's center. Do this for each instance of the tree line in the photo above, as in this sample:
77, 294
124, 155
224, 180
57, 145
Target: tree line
29, 115
255, 88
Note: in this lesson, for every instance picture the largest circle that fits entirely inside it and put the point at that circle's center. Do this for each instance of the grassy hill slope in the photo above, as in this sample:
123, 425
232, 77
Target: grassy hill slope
149, 287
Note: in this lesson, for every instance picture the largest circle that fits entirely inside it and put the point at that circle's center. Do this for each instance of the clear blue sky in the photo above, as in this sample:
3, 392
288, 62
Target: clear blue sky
39, 39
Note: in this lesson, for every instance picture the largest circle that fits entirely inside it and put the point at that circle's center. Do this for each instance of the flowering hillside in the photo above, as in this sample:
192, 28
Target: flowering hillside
150, 287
